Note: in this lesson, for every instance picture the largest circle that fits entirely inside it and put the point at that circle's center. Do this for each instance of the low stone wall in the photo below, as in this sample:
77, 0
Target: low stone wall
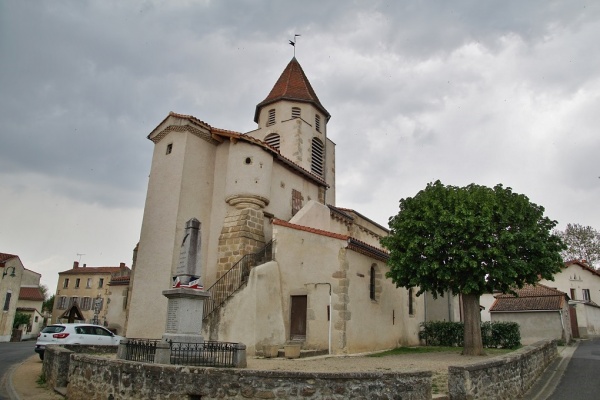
504, 377
57, 359
93, 377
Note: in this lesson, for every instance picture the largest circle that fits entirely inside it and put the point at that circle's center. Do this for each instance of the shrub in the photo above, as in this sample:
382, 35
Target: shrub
504, 335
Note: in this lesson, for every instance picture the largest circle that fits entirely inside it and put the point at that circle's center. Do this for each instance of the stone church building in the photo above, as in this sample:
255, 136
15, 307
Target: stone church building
281, 260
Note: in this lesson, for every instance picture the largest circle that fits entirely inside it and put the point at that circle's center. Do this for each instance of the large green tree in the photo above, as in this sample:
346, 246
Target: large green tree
583, 243
470, 240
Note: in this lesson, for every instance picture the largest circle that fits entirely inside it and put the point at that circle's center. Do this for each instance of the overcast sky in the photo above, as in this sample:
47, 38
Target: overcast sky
477, 91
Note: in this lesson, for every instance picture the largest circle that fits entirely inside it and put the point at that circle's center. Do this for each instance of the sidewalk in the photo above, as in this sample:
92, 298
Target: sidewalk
546, 384
22, 382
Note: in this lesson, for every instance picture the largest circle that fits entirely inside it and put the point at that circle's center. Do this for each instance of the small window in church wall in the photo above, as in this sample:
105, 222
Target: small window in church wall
273, 140
318, 156
295, 112
169, 148
318, 123
297, 200
271, 120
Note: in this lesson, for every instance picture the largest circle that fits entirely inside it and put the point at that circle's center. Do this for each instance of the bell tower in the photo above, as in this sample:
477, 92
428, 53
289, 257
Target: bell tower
292, 120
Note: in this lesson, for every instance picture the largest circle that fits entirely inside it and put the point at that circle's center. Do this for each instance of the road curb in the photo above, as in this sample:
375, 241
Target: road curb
10, 389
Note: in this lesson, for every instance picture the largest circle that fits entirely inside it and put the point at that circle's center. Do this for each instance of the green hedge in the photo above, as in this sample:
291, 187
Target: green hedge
504, 335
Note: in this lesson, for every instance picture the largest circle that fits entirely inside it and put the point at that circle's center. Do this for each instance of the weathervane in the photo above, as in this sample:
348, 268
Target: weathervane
293, 43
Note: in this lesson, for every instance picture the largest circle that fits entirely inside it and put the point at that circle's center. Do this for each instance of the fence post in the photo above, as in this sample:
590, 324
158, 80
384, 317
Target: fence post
239, 357
163, 353
122, 349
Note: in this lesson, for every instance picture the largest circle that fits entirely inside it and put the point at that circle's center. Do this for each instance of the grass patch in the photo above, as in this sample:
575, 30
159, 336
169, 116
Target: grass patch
41, 380
434, 349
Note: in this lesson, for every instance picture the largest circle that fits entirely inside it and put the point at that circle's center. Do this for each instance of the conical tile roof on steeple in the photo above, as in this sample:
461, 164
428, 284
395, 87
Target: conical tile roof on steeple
292, 85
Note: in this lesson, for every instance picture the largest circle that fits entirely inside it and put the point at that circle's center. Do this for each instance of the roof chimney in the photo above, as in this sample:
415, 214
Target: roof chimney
122, 265
84, 265
75, 264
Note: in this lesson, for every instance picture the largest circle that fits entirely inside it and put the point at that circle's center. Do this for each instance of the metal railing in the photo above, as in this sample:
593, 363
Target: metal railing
233, 279
207, 354
140, 350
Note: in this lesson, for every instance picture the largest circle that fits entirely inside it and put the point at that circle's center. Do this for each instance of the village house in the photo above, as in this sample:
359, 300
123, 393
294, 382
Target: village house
281, 260
540, 311
87, 293
20, 292
582, 283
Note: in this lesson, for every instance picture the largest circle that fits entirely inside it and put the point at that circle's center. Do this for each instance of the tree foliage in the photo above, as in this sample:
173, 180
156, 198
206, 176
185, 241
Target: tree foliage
583, 243
48, 304
470, 240
21, 319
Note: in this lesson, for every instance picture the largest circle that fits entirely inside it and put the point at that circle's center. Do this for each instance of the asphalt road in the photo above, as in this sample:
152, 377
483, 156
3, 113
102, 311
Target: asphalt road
11, 354
580, 380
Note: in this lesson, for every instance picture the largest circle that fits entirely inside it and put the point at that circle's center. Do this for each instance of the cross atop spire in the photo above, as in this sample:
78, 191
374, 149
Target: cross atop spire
293, 43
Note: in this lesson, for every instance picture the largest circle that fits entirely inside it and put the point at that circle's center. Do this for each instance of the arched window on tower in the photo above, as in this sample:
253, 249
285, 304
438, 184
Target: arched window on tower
271, 120
295, 112
318, 157
273, 140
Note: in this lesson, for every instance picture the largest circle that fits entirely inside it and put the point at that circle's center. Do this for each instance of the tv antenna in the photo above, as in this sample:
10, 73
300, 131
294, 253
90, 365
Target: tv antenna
79, 255
293, 43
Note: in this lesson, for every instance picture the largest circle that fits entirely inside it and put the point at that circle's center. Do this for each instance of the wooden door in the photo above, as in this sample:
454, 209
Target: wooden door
298, 318
574, 326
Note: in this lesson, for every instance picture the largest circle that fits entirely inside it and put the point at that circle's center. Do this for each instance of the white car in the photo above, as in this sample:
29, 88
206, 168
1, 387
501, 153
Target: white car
87, 334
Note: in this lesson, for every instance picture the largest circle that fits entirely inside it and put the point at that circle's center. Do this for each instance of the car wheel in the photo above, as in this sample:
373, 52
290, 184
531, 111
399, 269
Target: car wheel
41, 356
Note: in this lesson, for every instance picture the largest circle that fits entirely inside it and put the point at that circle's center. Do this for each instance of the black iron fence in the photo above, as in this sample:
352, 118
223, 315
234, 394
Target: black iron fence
140, 349
233, 279
207, 354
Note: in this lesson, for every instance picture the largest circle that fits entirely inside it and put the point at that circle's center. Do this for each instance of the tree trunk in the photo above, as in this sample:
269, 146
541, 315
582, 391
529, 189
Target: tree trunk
473, 346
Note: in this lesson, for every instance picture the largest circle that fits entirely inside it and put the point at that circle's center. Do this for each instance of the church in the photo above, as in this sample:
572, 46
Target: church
281, 260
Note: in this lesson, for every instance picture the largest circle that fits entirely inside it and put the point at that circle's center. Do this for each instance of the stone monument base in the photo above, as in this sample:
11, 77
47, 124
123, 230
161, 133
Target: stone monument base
184, 315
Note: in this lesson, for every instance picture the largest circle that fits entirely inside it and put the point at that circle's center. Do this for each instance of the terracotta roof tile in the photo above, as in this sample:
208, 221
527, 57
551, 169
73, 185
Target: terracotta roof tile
530, 298
91, 270
5, 257
292, 85
308, 229
31, 293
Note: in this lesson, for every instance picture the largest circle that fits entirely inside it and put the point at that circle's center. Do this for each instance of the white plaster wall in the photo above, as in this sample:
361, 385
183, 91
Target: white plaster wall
330, 171
115, 308
9, 284
384, 323
446, 308
179, 188
253, 315
249, 170
486, 300
588, 320
534, 326
578, 278
30, 278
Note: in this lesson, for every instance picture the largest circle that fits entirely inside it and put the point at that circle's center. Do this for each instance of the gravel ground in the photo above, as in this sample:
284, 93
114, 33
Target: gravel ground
438, 363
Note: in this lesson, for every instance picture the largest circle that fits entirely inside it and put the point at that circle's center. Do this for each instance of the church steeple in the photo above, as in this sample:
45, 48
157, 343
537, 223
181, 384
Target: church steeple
292, 85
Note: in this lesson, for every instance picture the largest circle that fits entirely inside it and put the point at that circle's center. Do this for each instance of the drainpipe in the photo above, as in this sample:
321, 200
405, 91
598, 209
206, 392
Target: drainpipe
330, 313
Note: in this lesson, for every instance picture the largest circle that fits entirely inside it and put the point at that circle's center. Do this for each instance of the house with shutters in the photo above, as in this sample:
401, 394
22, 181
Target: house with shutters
281, 260
85, 294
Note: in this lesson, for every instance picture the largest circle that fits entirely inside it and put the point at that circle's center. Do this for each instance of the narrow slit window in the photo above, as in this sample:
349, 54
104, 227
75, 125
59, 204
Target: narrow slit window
169, 148
271, 120
372, 284
411, 305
